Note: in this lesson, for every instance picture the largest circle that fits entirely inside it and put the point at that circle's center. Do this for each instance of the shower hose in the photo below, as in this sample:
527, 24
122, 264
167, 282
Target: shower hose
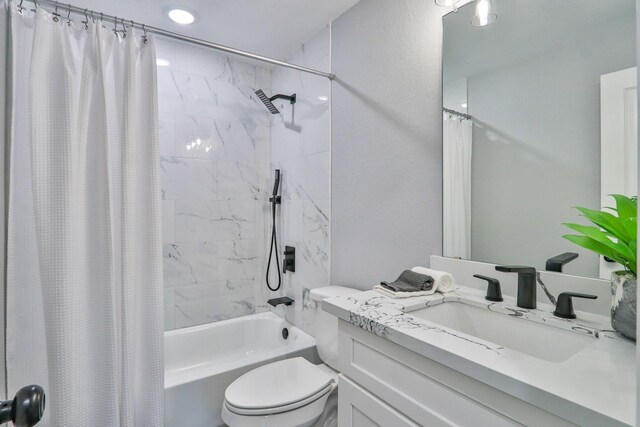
274, 245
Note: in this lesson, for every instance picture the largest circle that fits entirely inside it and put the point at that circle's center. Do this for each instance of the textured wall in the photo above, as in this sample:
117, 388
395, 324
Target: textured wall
301, 148
386, 140
215, 148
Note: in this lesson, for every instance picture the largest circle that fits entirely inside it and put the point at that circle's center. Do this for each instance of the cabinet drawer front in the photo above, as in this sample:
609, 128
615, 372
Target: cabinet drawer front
422, 388
359, 408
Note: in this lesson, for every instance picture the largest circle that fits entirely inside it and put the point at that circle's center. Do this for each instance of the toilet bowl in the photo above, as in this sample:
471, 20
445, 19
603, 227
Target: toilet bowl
292, 392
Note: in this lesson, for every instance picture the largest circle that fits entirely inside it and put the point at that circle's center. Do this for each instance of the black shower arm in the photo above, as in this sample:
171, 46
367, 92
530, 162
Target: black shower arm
291, 98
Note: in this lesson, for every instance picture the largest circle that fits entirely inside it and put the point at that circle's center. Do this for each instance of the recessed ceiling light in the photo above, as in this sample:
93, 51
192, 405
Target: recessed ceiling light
160, 62
181, 16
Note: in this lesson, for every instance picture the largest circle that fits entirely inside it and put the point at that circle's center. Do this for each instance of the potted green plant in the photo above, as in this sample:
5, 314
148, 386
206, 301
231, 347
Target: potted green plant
615, 236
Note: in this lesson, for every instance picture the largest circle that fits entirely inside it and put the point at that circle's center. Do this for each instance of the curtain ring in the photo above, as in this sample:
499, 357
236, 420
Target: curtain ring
144, 34
56, 15
21, 9
69, 15
86, 20
124, 29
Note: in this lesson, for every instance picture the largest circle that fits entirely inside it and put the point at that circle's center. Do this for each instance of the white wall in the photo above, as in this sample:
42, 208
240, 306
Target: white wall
536, 149
386, 140
301, 148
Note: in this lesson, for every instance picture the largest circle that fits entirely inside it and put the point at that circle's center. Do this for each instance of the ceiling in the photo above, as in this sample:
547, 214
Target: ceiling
274, 28
526, 28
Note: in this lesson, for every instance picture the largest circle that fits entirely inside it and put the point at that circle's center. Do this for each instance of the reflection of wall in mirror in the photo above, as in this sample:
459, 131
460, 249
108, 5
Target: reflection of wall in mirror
536, 149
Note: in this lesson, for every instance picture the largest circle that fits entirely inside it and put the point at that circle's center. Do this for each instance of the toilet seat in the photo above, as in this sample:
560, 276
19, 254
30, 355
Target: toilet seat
288, 392
280, 409
281, 384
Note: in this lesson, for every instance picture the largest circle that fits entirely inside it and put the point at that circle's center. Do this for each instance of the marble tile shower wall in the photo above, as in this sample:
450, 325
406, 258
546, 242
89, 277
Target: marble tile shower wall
215, 163
301, 147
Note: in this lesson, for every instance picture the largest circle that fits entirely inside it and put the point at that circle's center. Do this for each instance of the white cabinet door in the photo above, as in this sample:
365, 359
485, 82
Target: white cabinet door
359, 408
618, 142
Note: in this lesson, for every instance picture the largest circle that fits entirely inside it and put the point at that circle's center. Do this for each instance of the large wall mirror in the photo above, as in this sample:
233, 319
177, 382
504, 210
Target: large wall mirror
540, 116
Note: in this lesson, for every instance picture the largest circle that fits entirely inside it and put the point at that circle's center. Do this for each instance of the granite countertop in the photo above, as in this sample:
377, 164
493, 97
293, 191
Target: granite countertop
596, 386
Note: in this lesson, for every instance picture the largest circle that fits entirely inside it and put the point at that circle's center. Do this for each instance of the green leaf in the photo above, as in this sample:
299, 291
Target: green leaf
615, 234
600, 236
626, 207
609, 222
593, 245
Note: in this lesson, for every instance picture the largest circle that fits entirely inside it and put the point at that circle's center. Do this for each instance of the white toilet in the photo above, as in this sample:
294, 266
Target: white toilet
292, 392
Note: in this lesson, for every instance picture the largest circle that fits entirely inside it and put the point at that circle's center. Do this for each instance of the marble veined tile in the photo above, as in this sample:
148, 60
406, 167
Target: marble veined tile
189, 263
167, 134
316, 242
316, 181
188, 179
200, 220
241, 259
202, 304
194, 136
242, 181
240, 141
206, 63
168, 221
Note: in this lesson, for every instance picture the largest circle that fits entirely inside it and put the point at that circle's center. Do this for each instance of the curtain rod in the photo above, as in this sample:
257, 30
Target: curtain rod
62, 7
457, 113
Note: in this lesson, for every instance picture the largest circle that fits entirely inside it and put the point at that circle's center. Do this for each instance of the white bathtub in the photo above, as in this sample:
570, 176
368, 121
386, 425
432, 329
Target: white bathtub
201, 361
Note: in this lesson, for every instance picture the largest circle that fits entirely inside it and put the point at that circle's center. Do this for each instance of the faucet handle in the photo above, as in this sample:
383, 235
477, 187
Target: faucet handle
557, 262
494, 293
516, 269
564, 307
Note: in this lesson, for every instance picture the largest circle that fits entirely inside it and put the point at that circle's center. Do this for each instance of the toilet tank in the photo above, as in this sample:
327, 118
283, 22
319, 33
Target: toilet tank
326, 325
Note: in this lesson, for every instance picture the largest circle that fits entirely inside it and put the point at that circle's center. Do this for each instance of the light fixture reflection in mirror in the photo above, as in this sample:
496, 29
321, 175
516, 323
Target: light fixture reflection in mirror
484, 13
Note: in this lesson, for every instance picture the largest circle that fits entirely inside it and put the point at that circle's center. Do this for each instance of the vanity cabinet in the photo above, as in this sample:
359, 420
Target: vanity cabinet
384, 384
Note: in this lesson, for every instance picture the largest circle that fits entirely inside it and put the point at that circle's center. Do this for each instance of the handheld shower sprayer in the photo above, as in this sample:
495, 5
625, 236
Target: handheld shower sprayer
275, 200
276, 187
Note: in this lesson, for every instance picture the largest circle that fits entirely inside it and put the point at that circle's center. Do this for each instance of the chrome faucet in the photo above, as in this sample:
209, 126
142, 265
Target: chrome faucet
527, 295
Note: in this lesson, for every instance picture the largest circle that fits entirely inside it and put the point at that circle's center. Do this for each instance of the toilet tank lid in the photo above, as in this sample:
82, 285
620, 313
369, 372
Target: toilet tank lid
318, 294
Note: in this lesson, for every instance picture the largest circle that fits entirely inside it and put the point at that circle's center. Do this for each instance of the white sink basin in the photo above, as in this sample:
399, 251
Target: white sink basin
533, 339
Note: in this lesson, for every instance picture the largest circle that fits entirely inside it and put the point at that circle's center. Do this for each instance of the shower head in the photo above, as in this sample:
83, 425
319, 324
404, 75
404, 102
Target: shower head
268, 102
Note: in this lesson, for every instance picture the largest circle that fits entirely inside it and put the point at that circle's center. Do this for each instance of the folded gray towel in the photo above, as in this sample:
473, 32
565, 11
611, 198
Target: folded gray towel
410, 281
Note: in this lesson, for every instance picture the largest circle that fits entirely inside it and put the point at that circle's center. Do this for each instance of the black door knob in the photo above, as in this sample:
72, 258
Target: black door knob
26, 409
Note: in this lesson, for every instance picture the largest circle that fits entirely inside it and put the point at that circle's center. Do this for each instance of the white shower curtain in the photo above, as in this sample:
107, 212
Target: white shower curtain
84, 275
457, 148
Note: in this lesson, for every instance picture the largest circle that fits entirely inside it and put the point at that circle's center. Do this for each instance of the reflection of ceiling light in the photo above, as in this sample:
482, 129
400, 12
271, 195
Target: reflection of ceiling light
181, 16
188, 147
447, 3
323, 98
484, 13
162, 62
198, 141
464, 105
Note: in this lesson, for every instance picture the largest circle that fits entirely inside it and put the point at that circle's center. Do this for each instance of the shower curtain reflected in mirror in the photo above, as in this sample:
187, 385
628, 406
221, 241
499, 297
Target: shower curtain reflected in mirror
84, 275
457, 149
